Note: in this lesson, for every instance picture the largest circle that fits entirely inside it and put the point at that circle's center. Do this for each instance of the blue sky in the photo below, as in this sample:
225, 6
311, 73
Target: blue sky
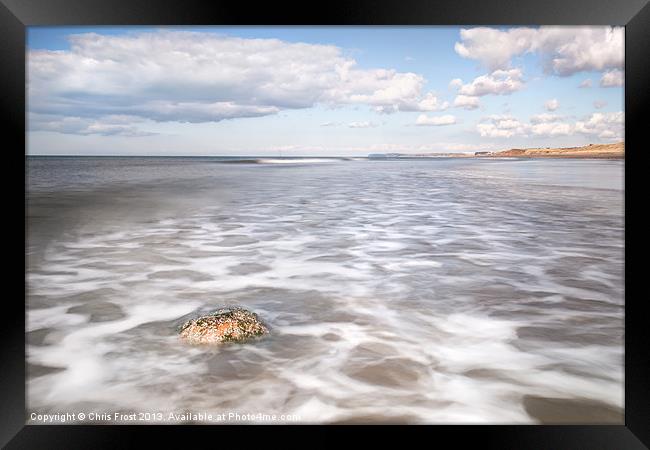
320, 90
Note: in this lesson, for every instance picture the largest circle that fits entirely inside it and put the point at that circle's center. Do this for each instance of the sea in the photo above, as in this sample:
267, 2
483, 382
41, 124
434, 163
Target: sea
422, 291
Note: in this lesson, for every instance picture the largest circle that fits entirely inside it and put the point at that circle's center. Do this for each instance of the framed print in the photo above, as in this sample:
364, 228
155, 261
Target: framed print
385, 214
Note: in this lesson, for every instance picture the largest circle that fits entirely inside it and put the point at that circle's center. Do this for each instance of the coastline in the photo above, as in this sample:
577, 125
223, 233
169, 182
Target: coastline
476, 253
600, 151
590, 151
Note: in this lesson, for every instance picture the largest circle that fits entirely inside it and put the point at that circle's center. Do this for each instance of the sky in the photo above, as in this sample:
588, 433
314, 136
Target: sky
321, 91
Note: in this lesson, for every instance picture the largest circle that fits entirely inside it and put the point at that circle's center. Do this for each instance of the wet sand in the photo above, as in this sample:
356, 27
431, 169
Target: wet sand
449, 291
556, 411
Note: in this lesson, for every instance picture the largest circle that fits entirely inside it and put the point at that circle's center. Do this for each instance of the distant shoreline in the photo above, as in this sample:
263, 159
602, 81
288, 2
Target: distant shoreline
591, 151
607, 151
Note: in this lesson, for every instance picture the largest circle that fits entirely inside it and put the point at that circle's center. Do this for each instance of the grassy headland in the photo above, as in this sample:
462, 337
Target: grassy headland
611, 151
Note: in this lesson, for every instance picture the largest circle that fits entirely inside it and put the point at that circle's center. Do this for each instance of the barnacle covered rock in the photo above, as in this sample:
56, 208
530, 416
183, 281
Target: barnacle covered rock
225, 325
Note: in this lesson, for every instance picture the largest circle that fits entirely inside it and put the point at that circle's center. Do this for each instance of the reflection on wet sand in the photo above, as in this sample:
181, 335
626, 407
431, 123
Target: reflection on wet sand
447, 291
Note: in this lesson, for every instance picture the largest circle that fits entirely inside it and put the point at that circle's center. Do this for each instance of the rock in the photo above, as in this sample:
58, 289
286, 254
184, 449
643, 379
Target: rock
225, 325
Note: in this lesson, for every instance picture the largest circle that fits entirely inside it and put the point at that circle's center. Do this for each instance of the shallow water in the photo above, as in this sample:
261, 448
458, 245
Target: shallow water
428, 291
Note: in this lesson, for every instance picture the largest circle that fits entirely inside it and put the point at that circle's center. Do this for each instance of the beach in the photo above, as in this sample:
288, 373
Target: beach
591, 151
442, 291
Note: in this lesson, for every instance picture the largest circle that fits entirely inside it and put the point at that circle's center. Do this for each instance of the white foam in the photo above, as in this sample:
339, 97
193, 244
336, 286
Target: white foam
402, 275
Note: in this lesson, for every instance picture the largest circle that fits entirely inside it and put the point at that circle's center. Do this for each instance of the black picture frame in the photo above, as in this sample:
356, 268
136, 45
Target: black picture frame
16, 15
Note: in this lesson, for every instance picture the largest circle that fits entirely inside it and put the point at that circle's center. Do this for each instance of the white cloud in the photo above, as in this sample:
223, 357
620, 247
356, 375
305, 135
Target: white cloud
106, 126
365, 124
423, 119
431, 103
466, 102
598, 104
499, 82
492, 47
205, 77
545, 118
552, 104
585, 84
501, 126
612, 78
603, 125
563, 50
550, 129
492, 131
455, 83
